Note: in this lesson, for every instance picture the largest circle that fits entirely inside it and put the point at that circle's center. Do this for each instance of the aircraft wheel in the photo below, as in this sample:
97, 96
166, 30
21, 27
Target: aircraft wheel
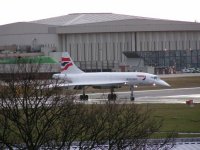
86, 97
112, 97
132, 98
81, 97
109, 97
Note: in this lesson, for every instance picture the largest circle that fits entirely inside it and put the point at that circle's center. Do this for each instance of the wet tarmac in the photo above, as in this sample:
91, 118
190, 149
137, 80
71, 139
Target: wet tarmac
180, 95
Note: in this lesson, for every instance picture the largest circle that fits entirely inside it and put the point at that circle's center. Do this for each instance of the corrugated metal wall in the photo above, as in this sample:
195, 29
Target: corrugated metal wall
108, 47
153, 41
89, 46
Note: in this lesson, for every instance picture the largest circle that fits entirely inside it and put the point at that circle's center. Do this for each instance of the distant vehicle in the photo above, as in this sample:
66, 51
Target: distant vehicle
198, 70
75, 77
185, 70
191, 70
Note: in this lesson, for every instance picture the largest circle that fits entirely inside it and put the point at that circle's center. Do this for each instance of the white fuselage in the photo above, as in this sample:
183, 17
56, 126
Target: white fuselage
111, 78
74, 77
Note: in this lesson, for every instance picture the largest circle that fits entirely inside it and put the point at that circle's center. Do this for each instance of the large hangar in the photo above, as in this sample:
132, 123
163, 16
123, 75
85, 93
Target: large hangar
98, 41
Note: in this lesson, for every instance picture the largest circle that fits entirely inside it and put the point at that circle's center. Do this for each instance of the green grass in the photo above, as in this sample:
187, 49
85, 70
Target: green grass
188, 135
183, 82
178, 117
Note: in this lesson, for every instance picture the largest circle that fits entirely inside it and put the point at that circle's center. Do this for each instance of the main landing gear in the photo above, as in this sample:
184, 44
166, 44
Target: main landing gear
132, 98
84, 97
112, 95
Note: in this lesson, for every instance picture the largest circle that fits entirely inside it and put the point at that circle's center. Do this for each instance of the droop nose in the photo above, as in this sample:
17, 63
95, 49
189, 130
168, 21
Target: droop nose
163, 83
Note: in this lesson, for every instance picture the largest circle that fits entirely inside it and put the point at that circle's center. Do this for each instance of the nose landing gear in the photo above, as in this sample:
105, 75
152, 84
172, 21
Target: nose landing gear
84, 97
132, 98
112, 95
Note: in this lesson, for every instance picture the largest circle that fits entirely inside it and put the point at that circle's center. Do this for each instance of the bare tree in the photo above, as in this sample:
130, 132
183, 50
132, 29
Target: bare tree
35, 115
29, 108
120, 126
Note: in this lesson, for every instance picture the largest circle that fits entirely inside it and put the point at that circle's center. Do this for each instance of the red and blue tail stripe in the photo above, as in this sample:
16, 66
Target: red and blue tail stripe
65, 63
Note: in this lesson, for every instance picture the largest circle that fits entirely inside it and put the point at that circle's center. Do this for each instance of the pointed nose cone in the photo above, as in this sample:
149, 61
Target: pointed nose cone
163, 83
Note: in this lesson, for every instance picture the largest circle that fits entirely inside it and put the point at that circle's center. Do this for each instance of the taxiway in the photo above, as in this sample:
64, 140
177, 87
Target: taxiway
179, 95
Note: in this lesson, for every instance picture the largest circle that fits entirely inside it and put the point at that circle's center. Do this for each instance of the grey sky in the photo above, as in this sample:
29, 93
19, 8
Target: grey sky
28, 10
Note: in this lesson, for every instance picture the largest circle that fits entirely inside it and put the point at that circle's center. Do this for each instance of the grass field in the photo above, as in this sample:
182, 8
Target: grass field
183, 82
177, 117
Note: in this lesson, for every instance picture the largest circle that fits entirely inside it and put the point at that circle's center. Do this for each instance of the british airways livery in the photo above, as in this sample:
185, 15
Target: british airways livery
65, 63
75, 77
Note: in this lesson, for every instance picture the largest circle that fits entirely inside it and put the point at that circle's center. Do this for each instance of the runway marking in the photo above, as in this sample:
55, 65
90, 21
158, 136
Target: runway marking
185, 96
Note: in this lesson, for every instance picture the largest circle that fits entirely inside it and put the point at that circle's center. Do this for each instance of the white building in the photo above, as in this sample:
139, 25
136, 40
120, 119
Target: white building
98, 40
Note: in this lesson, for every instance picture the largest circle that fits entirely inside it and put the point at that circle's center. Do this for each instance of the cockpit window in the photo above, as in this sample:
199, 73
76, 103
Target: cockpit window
155, 77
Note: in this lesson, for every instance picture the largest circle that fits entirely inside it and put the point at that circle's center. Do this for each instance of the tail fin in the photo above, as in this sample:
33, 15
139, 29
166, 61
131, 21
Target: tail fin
68, 66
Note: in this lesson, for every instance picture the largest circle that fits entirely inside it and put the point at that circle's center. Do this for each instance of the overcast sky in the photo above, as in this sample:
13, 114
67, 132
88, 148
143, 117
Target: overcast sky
28, 10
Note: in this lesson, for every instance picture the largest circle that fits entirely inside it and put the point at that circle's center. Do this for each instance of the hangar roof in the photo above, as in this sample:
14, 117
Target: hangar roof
108, 22
85, 18
98, 23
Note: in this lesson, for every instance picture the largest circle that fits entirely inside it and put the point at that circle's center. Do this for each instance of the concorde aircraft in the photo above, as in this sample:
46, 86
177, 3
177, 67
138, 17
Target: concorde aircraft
74, 77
